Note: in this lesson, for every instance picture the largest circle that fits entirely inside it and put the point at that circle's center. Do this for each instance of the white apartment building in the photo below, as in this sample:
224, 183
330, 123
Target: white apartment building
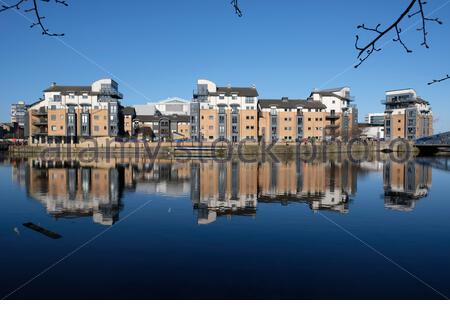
343, 114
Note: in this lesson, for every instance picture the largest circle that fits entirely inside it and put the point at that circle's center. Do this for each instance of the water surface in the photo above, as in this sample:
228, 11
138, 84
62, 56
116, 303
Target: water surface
196, 229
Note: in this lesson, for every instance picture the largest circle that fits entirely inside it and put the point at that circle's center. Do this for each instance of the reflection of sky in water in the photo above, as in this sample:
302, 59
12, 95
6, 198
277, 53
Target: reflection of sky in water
211, 227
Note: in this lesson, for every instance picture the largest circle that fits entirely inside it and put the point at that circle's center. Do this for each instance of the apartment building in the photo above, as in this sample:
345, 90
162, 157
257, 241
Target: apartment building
19, 113
375, 119
70, 114
407, 116
224, 113
290, 120
169, 106
161, 127
342, 118
129, 114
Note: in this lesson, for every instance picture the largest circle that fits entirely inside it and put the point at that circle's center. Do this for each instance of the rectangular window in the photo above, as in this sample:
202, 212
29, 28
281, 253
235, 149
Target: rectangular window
96, 128
53, 117
53, 128
249, 99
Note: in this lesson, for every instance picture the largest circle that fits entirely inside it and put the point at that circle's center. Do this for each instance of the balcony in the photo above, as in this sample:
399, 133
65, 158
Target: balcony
41, 112
41, 123
111, 92
333, 117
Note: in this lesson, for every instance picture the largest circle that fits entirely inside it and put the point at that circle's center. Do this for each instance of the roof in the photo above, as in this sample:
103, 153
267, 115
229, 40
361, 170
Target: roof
291, 104
69, 89
240, 91
155, 118
128, 111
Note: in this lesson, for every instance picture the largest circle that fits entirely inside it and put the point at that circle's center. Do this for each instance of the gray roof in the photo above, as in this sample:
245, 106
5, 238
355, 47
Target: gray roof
291, 104
241, 91
155, 118
128, 111
69, 89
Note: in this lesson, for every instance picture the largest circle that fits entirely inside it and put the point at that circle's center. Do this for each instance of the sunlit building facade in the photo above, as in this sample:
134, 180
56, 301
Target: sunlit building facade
407, 115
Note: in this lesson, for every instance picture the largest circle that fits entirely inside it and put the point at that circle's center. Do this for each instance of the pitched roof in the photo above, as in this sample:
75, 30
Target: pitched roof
241, 91
69, 89
291, 104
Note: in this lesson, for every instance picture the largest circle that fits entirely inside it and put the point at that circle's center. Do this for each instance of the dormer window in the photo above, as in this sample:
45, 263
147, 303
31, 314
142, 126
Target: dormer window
71, 96
222, 96
234, 96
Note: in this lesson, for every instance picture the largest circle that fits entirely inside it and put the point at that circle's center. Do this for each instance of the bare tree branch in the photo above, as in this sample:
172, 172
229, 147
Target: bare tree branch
367, 50
440, 80
237, 10
35, 10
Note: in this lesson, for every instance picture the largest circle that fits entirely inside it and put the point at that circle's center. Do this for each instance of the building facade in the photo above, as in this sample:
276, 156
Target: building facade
19, 113
163, 128
375, 119
224, 113
168, 107
342, 118
70, 114
289, 120
407, 116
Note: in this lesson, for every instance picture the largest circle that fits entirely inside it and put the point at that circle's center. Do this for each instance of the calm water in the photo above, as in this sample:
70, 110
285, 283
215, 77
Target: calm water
167, 229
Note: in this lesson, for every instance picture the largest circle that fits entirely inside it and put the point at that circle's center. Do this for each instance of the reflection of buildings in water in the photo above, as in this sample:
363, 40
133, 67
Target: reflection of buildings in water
234, 188
162, 177
324, 186
223, 189
405, 183
70, 191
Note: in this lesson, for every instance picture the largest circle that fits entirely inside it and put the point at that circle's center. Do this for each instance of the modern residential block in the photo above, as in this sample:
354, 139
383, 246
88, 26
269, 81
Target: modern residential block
407, 115
291, 119
69, 114
342, 113
224, 113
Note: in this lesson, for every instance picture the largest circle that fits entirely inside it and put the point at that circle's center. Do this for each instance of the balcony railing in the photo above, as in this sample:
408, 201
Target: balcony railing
111, 92
41, 123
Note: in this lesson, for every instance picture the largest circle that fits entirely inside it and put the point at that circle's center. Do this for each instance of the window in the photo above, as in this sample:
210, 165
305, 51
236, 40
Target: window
62, 117
211, 127
234, 97
62, 127
96, 117
210, 117
96, 128
53, 117
53, 128
309, 119
249, 99
222, 97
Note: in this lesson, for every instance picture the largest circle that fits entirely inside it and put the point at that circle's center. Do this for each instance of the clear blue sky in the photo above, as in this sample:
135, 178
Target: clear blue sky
157, 49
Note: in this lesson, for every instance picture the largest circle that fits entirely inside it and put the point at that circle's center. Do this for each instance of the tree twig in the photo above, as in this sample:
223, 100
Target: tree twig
35, 10
440, 80
236, 7
365, 51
